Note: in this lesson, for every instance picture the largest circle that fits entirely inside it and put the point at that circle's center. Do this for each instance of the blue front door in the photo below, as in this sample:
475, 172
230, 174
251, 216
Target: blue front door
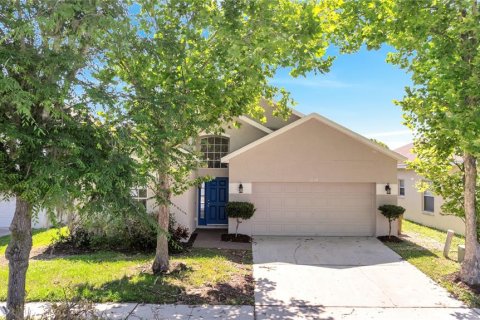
213, 205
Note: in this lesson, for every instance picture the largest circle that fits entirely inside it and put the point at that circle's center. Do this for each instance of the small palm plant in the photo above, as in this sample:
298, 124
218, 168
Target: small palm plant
391, 212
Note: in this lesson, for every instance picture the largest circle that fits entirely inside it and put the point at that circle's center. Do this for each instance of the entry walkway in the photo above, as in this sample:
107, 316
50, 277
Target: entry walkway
211, 238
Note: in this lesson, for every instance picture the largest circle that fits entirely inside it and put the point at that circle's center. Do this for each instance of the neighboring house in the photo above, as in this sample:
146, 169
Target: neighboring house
7, 209
305, 176
422, 207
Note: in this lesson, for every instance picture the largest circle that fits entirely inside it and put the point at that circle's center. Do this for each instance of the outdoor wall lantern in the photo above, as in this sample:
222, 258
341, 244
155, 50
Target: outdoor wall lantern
388, 189
240, 188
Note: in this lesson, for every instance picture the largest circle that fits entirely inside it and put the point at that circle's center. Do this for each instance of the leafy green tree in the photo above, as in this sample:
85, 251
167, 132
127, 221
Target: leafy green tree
53, 150
190, 66
437, 42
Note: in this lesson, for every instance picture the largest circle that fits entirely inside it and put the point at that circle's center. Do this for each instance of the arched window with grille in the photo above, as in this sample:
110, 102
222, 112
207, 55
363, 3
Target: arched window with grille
213, 149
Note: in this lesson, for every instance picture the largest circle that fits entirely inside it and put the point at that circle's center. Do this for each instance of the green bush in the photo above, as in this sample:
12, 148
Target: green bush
239, 211
131, 234
391, 212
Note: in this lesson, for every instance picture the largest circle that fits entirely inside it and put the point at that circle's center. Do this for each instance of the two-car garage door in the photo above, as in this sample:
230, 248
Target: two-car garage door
316, 209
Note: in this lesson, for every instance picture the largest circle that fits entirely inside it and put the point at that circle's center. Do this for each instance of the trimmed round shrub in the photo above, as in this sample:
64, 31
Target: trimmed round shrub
239, 211
391, 212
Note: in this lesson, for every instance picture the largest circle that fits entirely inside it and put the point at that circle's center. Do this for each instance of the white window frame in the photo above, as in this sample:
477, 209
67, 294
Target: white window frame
202, 201
140, 194
429, 194
213, 152
401, 187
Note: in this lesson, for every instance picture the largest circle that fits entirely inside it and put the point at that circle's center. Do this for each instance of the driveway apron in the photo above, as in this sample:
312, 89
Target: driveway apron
344, 278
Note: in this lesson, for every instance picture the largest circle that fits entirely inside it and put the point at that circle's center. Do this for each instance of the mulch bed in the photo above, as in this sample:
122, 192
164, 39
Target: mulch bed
68, 249
230, 237
64, 249
393, 239
455, 278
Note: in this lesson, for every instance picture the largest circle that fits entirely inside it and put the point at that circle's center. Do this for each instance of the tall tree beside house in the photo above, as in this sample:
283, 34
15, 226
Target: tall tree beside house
53, 150
189, 66
437, 42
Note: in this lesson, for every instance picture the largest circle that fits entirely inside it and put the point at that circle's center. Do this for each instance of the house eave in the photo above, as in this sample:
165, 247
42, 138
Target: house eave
344, 130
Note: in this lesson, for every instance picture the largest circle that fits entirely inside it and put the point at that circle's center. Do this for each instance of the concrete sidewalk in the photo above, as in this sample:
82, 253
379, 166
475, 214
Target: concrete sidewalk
183, 312
154, 311
356, 313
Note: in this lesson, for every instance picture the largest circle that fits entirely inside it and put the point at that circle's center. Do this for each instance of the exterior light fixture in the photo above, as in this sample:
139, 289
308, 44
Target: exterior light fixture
388, 189
240, 188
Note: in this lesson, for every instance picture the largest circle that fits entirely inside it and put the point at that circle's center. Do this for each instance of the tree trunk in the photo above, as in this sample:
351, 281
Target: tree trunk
470, 272
17, 254
161, 262
236, 229
389, 229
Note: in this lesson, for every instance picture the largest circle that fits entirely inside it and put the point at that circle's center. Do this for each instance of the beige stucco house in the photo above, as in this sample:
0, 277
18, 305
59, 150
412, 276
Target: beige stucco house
305, 176
422, 207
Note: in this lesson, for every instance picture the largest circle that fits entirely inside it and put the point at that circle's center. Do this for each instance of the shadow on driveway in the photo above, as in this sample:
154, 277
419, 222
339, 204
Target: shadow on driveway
340, 272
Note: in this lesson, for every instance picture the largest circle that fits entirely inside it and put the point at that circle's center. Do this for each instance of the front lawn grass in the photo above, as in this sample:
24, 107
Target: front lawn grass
40, 238
432, 262
432, 233
203, 276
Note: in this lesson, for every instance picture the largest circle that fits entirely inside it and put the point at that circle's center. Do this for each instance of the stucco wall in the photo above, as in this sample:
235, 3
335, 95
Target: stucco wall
239, 137
7, 210
381, 223
212, 172
245, 134
246, 226
413, 203
186, 204
184, 209
313, 152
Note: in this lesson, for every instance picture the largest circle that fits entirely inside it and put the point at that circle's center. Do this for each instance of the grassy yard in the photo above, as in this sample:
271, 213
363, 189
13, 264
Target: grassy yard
429, 259
41, 238
202, 276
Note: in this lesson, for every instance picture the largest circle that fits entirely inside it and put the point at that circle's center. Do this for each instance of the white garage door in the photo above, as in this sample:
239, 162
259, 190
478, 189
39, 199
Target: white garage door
320, 209
7, 209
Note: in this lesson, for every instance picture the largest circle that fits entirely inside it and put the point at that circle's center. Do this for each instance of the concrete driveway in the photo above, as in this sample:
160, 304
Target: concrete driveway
344, 278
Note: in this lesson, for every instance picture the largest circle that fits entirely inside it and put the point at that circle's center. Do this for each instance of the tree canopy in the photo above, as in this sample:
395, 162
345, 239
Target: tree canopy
54, 149
437, 42
190, 67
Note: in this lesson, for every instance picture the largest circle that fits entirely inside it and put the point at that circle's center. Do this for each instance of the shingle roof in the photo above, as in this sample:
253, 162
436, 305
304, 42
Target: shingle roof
406, 151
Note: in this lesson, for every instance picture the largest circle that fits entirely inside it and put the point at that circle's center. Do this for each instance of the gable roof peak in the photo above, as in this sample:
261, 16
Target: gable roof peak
326, 121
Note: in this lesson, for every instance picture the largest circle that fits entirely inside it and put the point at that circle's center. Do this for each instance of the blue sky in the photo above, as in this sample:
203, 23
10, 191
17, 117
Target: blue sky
358, 93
